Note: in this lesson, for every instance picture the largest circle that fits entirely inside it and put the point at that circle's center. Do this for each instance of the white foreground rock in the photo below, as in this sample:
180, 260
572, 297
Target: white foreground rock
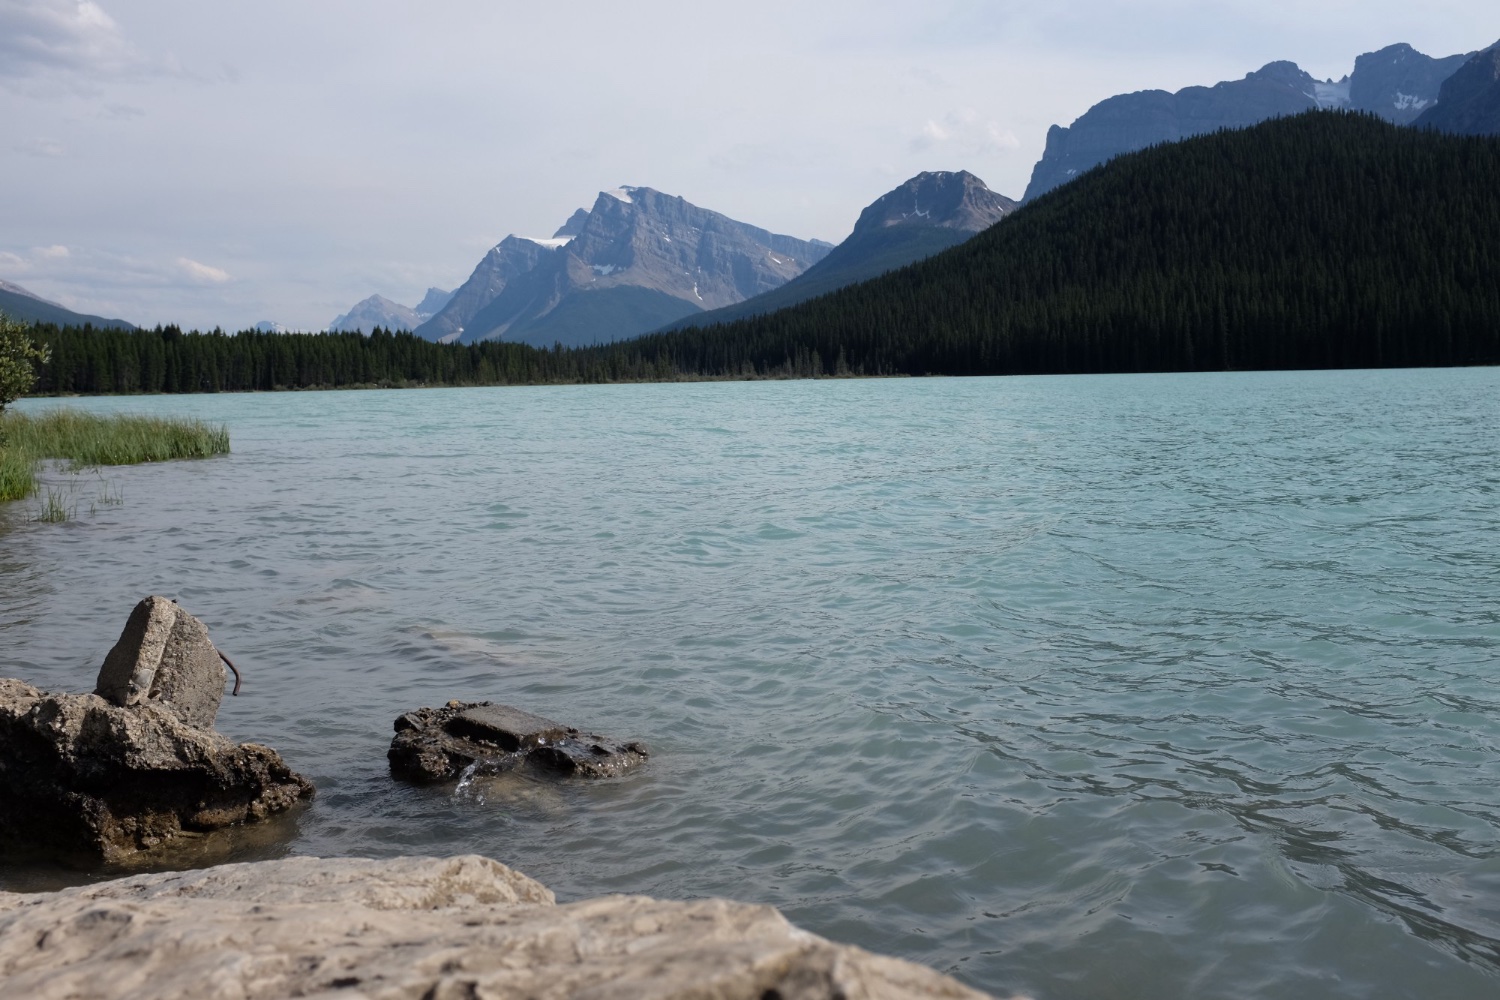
464, 928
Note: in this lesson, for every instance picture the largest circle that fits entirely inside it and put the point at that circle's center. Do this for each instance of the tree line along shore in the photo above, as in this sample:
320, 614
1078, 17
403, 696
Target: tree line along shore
1325, 240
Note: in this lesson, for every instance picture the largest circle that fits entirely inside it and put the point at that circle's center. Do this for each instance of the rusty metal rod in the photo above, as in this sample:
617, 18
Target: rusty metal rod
230, 664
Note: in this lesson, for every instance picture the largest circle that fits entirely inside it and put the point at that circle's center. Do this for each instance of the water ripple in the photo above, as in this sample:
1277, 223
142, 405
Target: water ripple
1116, 687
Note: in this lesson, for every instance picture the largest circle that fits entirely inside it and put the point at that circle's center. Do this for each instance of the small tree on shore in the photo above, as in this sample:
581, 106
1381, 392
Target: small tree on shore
19, 356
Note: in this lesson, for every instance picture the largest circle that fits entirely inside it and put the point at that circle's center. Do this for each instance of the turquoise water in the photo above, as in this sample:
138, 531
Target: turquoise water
1137, 687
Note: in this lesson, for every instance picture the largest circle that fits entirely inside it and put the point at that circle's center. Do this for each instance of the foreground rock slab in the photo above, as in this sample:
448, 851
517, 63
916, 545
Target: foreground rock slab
418, 929
434, 745
79, 775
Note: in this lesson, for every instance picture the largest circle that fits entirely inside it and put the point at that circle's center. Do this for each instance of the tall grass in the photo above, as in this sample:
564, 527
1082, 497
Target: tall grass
17, 474
88, 439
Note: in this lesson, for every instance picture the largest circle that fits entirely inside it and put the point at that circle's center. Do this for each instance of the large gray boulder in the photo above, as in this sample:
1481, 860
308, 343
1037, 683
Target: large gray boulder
164, 657
434, 745
418, 928
79, 775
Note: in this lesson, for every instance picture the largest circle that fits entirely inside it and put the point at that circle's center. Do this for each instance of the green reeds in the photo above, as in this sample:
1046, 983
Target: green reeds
88, 439
17, 474
58, 507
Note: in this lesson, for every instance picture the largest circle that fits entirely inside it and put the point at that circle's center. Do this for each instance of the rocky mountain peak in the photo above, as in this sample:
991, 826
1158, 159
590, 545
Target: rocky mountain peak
1396, 83
432, 302
638, 259
379, 311
1283, 72
641, 237
573, 226
947, 199
1469, 102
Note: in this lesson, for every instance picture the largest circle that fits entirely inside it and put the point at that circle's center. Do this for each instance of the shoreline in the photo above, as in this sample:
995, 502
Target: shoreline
464, 926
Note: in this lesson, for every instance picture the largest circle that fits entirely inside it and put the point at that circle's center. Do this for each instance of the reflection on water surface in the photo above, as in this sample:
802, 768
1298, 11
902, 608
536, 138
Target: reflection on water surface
1083, 687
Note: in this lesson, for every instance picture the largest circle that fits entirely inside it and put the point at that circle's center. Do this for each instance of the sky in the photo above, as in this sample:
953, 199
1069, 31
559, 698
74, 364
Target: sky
226, 163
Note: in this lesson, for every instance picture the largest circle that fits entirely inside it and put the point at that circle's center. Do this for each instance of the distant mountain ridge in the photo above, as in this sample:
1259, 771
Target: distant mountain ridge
1381, 254
926, 215
1191, 256
1397, 83
20, 304
1469, 103
377, 311
637, 260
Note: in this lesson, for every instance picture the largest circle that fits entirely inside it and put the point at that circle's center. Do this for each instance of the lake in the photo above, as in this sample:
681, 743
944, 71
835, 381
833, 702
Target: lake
1083, 687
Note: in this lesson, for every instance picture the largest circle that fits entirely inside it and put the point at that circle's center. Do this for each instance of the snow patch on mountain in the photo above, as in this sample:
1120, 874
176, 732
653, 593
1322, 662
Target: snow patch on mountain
1331, 95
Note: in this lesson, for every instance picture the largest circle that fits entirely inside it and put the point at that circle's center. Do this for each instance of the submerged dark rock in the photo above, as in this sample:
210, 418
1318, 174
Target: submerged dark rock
434, 745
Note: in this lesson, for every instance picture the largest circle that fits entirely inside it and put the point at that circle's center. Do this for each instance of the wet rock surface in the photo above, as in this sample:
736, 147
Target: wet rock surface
137, 763
79, 776
418, 928
434, 745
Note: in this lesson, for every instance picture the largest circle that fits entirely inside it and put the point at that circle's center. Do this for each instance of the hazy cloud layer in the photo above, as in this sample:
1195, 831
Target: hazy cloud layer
229, 162
41, 36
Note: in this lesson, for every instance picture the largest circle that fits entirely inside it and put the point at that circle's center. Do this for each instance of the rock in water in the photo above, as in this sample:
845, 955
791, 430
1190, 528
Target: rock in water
164, 657
80, 775
418, 927
436, 744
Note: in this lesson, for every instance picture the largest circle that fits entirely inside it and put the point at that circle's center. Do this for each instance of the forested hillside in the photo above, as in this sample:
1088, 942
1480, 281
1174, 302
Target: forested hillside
1321, 241
1325, 240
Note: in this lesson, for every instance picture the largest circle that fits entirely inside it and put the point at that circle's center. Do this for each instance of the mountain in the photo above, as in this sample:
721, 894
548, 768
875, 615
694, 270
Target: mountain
511, 258
379, 311
637, 260
432, 303
1396, 83
928, 214
28, 307
376, 311
1324, 240
1469, 103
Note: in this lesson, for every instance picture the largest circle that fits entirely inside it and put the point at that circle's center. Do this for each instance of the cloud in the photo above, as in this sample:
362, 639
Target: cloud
87, 267
106, 283
966, 132
34, 258
203, 274
931, 134
40, 146
40, 37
